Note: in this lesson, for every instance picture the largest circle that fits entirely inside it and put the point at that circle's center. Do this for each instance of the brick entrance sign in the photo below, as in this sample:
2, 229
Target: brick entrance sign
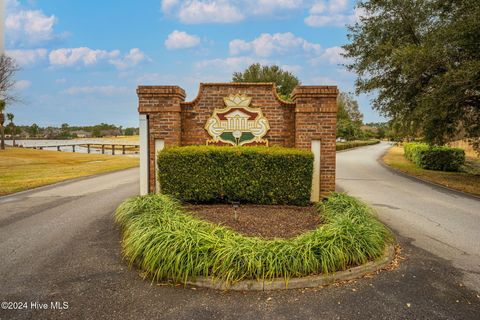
239, 114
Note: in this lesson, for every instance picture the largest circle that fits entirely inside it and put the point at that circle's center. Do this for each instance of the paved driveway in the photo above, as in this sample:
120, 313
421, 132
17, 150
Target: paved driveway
442, 222
60, 244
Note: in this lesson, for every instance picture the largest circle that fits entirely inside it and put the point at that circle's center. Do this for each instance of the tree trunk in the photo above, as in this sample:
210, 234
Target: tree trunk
2, 131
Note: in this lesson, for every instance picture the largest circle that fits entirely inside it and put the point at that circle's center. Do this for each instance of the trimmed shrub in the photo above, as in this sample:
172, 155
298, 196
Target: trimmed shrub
261, 175
435, 157
166, 242
355, 144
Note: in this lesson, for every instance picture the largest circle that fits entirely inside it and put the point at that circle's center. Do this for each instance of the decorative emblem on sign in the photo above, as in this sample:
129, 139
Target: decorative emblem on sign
238, 124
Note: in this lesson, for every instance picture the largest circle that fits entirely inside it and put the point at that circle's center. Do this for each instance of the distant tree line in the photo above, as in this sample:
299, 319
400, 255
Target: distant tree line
65, 131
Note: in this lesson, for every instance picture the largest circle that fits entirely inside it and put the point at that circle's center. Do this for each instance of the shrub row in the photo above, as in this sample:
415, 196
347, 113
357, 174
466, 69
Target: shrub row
166, 242
354, 144
435, 157
261, 175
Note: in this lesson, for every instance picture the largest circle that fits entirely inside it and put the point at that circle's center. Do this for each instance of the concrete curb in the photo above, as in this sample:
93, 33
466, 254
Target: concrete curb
298, 283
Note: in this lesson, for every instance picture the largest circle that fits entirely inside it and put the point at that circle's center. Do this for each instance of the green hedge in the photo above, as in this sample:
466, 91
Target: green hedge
435, 157
354, 144
261, 175
166, 242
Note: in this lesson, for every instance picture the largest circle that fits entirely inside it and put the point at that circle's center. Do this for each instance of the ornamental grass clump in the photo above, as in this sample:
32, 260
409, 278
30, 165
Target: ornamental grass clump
166, 242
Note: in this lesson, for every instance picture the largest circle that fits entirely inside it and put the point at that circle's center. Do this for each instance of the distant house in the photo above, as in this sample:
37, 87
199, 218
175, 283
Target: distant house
82, 134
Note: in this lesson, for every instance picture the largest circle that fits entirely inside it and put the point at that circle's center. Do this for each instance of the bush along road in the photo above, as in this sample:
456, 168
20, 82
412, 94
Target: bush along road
60, 243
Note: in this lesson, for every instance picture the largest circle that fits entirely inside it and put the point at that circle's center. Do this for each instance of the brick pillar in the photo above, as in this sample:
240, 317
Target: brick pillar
316, 119
161, 104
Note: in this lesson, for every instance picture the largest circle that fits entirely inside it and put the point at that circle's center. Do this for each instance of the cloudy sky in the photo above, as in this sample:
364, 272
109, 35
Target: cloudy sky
82, 60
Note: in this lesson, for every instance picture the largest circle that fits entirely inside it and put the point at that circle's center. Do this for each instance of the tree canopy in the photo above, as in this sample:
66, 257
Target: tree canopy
421, 58
284, 80
349, 117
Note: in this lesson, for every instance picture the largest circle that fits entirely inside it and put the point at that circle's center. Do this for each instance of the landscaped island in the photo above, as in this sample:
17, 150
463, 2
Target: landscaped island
181, 235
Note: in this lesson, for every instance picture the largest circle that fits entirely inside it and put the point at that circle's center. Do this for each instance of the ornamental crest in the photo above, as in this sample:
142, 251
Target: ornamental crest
238, 124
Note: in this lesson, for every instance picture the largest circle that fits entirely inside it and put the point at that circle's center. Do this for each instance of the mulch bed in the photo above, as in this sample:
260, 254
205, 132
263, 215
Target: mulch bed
265, 221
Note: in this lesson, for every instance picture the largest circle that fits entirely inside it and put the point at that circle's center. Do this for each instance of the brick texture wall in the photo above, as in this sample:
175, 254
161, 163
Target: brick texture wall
311, 115
316, 119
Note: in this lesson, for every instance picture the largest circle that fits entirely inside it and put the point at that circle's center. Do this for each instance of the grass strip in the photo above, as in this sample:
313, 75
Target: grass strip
22, 169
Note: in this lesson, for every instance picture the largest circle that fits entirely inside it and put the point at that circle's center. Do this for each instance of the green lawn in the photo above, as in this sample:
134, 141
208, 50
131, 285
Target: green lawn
467, 181
22, 169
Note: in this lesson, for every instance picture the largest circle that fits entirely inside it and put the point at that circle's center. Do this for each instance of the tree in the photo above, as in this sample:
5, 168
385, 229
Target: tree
349, 117
129, 131
8, 68
33, 130
10, 117
422, 59
284, 80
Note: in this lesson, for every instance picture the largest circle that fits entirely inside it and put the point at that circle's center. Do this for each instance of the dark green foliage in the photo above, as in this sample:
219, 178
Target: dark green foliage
285, 80
354, 144
422, 60
166, 242
349, 118
435, 157
259, 175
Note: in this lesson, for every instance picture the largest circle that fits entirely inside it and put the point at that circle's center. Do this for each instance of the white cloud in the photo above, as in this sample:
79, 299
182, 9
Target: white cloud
219, 11
167, 5
60, 80
104, 90
267, 44
181, 40
269, 6
22, 84
11, 4
331, 13
82, 55
225, 11
337, 20
30, 27
331, 6
238, 46
334, 55
27, 57
131, 59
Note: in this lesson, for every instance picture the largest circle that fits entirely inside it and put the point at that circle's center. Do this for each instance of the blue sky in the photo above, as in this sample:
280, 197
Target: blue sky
82, 60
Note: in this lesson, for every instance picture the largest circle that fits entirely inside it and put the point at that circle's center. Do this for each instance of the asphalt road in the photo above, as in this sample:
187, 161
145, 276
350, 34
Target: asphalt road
440, 221
60, 244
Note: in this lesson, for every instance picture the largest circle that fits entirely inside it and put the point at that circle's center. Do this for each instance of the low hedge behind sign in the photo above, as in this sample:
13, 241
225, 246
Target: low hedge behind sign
435, 157
354, 144
261, 175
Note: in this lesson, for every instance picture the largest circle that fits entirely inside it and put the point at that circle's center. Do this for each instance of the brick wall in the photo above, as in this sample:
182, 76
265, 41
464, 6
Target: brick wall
279, 114
311, 115
316, 118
